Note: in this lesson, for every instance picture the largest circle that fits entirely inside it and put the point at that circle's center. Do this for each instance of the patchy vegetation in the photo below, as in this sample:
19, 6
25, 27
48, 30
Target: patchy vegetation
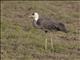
21, 41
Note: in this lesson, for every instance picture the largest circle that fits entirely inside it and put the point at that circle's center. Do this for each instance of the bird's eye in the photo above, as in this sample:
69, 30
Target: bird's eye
32, 13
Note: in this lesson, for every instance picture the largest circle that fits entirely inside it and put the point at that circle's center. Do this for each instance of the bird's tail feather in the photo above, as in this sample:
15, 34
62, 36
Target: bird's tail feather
62, 27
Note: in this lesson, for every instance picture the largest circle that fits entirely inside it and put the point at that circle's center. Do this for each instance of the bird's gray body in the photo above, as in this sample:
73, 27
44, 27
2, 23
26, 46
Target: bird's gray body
49, 25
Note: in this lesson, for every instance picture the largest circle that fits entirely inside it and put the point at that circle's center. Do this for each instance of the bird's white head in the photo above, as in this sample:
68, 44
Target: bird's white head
35, 16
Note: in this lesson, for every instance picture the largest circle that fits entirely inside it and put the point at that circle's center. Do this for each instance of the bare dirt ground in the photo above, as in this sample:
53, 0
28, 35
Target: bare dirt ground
21, 41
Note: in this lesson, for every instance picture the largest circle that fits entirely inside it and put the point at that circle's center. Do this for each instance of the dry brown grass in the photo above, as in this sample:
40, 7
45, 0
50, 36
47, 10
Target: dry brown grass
20, 41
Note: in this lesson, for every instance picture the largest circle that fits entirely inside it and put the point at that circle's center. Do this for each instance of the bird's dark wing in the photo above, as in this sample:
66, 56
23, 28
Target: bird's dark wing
46, 24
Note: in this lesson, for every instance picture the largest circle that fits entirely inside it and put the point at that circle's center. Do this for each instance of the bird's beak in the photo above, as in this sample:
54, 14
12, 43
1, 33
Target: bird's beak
30, 16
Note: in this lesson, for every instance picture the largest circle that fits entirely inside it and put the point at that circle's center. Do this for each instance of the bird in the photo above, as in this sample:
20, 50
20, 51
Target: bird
47, 25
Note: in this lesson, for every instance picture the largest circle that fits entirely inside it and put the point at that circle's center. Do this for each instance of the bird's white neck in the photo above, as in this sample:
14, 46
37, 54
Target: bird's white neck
36, 17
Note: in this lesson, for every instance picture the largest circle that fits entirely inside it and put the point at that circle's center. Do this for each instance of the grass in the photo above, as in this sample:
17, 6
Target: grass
21, 41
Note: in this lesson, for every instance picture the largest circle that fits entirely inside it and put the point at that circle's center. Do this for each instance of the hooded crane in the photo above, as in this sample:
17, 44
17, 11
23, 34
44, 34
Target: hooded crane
47, 25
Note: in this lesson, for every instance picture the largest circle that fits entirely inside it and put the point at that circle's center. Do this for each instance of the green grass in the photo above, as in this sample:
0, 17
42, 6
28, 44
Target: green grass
21, 41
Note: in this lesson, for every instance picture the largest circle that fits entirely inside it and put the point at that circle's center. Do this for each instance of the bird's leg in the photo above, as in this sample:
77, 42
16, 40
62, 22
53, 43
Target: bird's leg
46, 44
46, 41
51, 41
